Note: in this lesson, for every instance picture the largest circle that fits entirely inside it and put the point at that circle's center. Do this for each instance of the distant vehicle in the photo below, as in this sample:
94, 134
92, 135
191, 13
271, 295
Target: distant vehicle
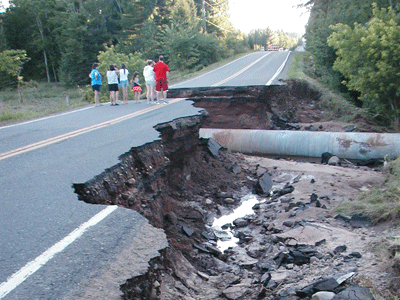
274, 47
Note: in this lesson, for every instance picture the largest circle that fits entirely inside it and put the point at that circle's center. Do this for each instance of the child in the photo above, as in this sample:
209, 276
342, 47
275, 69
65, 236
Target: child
136, 86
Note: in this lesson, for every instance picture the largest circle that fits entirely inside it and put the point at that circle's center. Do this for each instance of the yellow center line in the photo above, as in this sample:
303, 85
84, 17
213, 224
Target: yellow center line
77, 132
241, 71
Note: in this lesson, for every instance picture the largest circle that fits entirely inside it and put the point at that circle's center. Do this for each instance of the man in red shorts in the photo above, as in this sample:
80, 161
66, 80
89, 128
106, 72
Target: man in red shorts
162, 73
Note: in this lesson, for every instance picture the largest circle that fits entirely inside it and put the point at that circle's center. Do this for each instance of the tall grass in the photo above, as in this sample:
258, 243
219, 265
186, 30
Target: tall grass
38, 100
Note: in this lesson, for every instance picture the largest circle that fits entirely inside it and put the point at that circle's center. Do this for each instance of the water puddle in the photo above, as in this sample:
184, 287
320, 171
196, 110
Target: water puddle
225, 236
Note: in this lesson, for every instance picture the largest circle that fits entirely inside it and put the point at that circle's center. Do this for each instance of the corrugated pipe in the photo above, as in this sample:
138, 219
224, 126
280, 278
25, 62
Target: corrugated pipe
349, 145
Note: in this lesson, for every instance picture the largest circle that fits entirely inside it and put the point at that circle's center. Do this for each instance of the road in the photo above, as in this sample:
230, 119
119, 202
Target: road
53, 246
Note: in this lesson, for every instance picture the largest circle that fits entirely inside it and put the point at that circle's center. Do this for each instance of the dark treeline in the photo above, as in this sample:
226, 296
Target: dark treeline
62, 38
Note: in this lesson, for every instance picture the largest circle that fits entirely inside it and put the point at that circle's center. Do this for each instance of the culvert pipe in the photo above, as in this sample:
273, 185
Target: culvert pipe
349, 145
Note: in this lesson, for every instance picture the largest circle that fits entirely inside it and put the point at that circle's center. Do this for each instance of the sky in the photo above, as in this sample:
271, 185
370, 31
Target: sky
246, 15
3, 3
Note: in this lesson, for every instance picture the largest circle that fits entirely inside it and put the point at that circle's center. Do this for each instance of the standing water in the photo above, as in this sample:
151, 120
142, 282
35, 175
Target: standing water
226, 238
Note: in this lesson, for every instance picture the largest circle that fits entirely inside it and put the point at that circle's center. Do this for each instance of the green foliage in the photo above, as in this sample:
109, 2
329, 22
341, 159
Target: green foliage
325, 13
368, 58
133, 62
185, 47
11, 63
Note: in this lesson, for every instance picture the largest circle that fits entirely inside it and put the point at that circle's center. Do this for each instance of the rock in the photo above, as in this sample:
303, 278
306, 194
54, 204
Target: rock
291, 243
311, 128
229, 201
322, 285
342, 218
236, 169
264, 184
350, 128
241, 222
238, 290
334, 161
203, 275
131, 182
323, 296
265, 279
214, 147
354, 293
209, 201
313, 198
214, 250
286, 190
325, 157
355, 254
286, 199
288, 223
125, 196
359, 221
171, 217
340, 278
208, 235
340, 249
201, 248
260, 171
188, 231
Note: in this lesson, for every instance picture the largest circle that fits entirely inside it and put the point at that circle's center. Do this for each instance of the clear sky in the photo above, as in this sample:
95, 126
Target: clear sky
4, 3
246, 15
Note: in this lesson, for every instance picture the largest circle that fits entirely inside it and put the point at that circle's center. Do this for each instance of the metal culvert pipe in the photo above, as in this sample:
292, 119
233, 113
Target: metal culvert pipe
349, 145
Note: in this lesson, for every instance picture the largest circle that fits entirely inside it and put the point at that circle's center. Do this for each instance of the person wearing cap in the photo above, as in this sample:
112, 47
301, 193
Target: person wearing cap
162, 75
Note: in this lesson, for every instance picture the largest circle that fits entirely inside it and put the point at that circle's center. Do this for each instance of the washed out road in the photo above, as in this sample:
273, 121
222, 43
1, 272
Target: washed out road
53, 246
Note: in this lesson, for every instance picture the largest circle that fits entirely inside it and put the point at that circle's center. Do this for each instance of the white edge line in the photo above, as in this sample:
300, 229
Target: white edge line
223, 66
46, 118
279, 70
31, 267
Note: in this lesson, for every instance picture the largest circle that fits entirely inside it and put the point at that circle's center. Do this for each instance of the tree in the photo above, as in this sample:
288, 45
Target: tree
11, 63
37, 15
368, 57
323, 14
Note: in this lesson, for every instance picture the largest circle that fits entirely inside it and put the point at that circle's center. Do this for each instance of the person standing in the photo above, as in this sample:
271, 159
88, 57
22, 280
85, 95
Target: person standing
148, 74
123, 82
112, 79
162, 76
136, 86
96, 83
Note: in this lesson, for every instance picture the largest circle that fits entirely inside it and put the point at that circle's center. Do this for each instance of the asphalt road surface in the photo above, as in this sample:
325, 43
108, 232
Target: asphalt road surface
53, 246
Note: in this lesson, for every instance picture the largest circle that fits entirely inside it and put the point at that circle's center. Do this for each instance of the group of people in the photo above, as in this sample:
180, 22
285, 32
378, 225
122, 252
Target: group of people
156, 76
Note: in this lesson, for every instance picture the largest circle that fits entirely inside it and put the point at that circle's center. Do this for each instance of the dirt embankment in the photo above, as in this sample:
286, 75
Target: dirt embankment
292, 247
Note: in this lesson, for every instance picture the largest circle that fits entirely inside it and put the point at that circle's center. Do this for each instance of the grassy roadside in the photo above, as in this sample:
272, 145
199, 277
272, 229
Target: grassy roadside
37, 101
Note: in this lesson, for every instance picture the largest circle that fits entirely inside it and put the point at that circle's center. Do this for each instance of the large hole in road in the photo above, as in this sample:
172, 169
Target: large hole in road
179, 185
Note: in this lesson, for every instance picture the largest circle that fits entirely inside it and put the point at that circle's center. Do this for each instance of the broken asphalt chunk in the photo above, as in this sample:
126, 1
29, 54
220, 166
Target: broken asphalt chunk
201, 248
187, 230
264, 184
214, 147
